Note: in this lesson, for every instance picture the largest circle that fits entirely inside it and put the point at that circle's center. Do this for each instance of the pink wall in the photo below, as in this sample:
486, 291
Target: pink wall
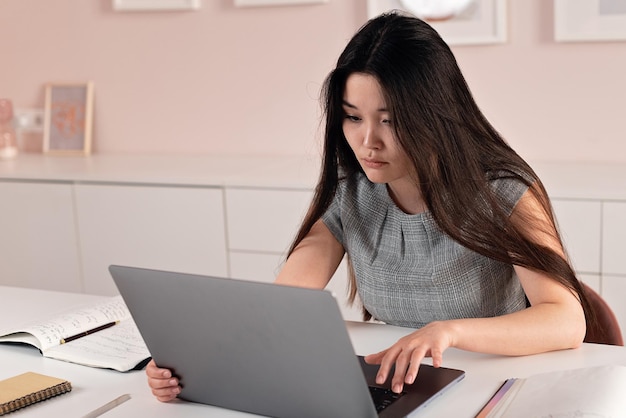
231, 80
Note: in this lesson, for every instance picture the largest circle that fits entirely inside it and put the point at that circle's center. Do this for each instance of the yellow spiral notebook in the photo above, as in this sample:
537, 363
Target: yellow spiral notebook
28, 388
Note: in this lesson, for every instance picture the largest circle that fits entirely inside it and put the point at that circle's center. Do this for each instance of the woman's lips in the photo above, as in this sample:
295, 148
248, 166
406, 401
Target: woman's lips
373, 163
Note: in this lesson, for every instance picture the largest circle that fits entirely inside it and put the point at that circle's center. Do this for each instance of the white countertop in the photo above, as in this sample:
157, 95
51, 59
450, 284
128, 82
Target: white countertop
94, 387
193, 170
575, 180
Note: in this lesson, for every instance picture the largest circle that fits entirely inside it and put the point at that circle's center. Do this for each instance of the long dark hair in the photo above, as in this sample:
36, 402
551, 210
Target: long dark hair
454, 149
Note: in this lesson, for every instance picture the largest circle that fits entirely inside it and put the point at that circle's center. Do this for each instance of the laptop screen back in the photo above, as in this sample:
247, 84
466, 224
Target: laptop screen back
255, 347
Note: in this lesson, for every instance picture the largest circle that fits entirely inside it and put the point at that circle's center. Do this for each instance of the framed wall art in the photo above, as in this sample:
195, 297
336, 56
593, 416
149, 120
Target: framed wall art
155, 5
589, 20
459, 22
254, 3
68, 117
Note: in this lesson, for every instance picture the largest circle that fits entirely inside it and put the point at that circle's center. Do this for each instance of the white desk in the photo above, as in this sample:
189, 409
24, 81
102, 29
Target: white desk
95, 387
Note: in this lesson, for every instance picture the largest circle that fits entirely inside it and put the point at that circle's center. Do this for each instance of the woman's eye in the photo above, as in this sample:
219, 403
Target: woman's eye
386, 121
353, 118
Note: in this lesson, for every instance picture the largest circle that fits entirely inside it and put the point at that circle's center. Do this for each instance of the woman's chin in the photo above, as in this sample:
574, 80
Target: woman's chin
376, 178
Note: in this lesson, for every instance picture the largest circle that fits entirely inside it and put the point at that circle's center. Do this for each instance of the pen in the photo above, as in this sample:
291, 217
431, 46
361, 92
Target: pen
91, 331
108, 406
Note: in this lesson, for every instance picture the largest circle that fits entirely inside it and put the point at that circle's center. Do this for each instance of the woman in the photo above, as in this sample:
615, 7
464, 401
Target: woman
445, 227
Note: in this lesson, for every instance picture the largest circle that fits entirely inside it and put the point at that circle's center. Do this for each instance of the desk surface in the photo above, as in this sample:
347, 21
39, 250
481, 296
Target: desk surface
95, 387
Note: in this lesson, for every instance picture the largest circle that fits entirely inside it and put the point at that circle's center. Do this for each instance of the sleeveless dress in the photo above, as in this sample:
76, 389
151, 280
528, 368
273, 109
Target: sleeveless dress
408, 272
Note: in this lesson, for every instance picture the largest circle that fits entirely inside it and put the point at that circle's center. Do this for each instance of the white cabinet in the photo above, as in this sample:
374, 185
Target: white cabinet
262, 224
264, 220
265, 267
38, 245
580, 225
614, 238
258, 267
594, 232
614, 259
63, 221
168, 228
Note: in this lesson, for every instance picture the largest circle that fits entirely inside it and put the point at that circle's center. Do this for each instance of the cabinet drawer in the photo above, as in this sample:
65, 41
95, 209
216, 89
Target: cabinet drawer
614, 238
265, 220
39, 246
580, 224
168, 228
255, 266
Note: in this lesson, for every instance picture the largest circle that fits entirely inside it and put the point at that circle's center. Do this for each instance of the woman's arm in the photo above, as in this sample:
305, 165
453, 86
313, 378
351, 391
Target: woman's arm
314, 261
555, 320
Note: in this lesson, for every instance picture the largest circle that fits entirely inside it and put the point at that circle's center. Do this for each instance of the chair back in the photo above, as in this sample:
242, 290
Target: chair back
606, 330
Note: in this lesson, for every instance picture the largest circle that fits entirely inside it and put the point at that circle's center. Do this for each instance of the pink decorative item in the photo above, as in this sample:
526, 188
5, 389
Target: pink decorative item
8, 143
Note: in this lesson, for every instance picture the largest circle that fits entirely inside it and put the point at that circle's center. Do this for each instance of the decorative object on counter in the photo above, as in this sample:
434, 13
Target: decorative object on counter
28, 123
68, 119
8, 143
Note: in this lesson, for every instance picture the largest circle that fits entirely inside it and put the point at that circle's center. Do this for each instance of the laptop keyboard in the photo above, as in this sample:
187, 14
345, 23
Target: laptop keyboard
383, 397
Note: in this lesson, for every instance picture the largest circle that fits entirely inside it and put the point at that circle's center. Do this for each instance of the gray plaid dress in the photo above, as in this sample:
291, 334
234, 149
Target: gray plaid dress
408, 272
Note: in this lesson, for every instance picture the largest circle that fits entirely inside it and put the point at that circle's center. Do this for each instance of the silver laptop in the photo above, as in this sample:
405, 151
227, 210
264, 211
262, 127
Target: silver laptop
262, 348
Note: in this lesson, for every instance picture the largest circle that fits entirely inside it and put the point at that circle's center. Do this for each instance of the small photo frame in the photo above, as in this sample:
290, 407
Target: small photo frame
479, 22
155, 5
68, 119
255, 3
589, 20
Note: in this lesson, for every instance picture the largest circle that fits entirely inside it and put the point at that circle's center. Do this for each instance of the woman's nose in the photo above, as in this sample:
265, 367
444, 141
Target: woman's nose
371, 139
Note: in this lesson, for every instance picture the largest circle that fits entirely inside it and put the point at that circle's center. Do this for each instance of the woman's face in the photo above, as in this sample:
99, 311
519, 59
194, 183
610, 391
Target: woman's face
368, 128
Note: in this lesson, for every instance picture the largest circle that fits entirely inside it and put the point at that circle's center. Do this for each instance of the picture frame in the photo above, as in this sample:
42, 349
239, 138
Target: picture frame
483, 22
255, 3
68, 118
589, 20
155, 5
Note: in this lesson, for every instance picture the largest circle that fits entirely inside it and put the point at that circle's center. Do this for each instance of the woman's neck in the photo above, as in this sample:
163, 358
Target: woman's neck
407, 197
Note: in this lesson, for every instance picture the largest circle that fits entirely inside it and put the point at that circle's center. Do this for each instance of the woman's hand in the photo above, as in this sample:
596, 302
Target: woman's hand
407, 354
163, 385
